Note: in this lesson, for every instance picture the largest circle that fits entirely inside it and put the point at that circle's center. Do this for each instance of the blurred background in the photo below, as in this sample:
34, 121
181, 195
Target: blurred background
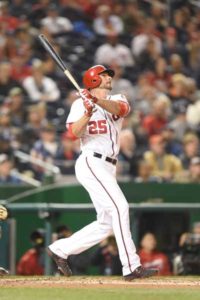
154, 49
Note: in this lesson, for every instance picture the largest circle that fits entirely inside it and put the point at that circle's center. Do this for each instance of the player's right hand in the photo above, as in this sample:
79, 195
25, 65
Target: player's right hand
89, 107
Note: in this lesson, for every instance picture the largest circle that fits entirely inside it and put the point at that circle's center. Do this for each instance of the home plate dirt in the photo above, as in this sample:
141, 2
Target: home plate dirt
91, 282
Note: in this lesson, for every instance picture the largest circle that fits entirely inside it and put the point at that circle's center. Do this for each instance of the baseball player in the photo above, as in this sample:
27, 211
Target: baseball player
96, 119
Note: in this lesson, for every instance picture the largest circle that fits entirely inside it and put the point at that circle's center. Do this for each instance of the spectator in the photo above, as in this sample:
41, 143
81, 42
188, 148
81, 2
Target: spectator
163, 165
180, 26
158, 12
55, 23
193, 114
190, 149
6, 81
46, 148
36, 118
8, 21
106, 23
145, 173
113, 52
32, 261
192, 175
192, 90
63, 231
193, 44
15, 102
6, 176
179, 123
146, 93
146, 60
173, 145
7, 130
38, 12
5, 145
20, 64
151, 257
161, 76
19, 8
127, 156
8, 44
172, 46
65, 109
157, 120
67, 154
178, 92
176, 65
39, 87
140, 41
107, 258
131, 17
186, 260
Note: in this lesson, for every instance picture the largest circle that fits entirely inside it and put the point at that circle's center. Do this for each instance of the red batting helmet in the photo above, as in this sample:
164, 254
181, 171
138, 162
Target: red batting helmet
91, 78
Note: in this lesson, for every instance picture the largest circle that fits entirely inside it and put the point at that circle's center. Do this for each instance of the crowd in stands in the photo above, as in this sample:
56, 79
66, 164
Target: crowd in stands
154, 49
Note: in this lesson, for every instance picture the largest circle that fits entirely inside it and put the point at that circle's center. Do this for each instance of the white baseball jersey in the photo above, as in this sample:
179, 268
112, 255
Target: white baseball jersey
102, 132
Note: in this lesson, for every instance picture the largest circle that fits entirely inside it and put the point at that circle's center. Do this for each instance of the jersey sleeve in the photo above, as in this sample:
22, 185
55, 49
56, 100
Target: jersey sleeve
125, 107
76, 112
119, 97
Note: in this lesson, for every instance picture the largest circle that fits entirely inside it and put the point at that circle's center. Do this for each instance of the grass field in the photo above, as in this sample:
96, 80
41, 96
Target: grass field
98, 288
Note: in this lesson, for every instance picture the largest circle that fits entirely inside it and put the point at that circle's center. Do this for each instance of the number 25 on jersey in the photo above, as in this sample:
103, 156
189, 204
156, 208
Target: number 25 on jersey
97, 127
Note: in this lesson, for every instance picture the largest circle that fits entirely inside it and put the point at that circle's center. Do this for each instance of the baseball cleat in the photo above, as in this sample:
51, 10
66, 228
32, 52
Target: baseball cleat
61, 263
141, 272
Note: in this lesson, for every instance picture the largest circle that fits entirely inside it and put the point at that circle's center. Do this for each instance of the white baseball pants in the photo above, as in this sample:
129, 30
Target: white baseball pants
99, 179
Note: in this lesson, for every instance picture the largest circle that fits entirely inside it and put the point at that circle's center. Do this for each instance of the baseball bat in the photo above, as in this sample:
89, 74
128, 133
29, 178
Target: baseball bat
52, 52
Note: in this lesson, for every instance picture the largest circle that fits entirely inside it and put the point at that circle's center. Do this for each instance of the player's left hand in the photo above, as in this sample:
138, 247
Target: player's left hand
86, 95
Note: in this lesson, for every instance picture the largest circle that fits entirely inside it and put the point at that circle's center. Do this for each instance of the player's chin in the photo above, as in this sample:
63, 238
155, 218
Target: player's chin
109, 87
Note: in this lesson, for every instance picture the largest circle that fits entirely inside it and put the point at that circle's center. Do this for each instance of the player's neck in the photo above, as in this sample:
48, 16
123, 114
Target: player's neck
100, 93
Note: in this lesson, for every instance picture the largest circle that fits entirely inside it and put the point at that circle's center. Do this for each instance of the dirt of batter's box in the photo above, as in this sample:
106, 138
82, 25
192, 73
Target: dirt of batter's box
92, 282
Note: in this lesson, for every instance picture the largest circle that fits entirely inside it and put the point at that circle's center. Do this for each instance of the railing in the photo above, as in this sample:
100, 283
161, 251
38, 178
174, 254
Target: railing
36, 161
25, 178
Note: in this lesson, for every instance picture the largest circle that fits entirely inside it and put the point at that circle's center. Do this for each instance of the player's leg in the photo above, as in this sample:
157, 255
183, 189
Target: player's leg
115, 204
117, 207
82, 240
93, 233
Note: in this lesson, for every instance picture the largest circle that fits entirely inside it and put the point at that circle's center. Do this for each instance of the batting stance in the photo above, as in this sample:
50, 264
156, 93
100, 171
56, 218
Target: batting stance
96, 118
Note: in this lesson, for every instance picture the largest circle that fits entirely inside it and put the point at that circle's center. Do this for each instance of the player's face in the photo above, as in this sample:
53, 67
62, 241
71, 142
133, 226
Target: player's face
106, 81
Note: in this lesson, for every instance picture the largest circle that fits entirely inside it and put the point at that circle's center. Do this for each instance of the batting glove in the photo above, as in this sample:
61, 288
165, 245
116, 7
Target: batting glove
89, 107
85, 94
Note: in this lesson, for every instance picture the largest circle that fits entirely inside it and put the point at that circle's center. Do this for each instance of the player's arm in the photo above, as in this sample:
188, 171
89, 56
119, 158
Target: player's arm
77, 129
119, 108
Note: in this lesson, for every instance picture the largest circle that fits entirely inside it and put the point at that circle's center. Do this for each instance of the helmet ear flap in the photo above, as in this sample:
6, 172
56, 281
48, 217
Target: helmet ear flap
96, 81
